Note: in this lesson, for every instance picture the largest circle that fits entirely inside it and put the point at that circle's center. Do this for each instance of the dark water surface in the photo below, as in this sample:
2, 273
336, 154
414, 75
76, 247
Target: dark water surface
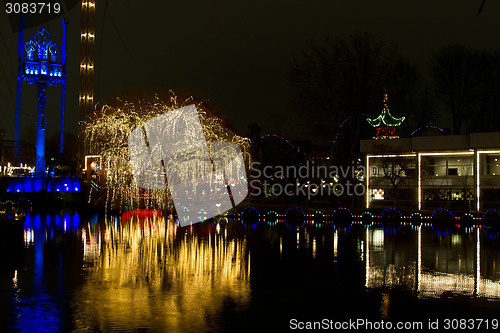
66, 272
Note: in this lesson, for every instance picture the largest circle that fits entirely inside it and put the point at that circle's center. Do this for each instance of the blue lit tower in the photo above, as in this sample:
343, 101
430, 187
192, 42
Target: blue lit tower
41, 67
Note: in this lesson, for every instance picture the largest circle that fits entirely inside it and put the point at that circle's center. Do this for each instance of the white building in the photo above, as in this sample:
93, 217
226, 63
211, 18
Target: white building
458, 172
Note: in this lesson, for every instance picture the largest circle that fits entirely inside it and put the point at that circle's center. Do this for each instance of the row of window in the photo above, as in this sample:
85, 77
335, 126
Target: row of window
433, 170
428, 194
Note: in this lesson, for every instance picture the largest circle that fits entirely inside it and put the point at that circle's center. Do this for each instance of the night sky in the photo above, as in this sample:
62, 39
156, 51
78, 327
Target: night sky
234, 54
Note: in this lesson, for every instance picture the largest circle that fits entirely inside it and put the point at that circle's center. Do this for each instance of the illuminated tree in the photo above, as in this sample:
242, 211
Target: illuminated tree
107, 136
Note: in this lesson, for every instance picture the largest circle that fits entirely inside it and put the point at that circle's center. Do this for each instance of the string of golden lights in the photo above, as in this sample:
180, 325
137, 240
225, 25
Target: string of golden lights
106, 135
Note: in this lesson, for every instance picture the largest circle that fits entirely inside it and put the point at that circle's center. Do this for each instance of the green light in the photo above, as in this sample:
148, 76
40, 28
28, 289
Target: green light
385, 118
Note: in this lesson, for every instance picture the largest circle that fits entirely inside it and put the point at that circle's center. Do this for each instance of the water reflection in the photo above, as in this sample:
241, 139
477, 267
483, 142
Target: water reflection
39, 280
147, 270
430, 262
140, 271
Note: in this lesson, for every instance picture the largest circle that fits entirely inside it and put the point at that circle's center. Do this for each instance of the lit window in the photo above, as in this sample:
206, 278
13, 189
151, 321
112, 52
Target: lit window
378, 194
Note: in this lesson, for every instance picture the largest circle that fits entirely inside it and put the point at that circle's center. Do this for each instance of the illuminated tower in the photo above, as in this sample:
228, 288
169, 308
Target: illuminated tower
87, 46
41, 67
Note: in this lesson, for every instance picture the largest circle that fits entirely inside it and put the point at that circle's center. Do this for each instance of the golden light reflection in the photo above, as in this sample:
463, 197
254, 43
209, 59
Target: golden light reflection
314, 247
430, 283
281, 247
150, 271
298, 238
28, 236
335, 243
367, 259
384, 307
419, 256
478, 261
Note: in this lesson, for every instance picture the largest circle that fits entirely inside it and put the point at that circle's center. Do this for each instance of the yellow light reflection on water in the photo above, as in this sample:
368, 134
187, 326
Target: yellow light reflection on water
456, 275
335, 243
150, 272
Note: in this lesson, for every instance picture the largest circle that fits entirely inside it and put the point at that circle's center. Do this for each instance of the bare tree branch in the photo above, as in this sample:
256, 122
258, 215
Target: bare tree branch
481, 8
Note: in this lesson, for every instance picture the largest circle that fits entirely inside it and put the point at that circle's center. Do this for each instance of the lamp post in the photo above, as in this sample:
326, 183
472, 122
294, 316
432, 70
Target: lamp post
42, 68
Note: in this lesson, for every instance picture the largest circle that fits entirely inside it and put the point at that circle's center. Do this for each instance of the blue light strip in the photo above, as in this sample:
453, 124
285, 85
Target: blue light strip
27, 185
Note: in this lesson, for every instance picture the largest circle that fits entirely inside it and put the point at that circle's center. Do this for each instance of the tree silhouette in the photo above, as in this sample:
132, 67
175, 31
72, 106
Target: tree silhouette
398, 171
336, 84
481, 7
467, 82
409, 97
455, 73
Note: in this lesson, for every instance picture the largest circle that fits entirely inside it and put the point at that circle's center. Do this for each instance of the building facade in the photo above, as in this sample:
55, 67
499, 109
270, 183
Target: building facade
457, 172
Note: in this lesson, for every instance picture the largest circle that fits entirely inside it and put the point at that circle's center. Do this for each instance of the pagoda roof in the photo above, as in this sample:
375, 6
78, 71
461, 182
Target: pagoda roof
385, 118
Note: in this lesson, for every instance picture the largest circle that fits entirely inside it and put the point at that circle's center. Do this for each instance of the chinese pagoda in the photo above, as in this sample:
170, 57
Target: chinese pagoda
385, 123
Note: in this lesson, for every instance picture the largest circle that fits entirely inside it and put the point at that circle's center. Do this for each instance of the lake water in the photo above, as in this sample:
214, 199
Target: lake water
141, 272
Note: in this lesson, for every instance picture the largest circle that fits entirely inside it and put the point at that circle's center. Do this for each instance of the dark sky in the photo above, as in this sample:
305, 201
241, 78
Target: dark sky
235, 54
